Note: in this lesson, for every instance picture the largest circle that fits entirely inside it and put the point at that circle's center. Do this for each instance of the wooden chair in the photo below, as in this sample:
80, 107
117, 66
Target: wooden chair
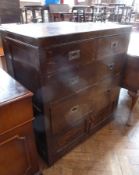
34, 13
59, 12
126, 14
82, 13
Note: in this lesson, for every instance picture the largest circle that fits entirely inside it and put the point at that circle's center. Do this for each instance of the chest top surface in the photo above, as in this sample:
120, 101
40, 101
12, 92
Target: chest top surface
10, 89
44, 30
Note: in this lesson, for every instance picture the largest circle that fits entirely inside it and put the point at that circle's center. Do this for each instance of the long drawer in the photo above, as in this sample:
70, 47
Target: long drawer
65, 113
66, 83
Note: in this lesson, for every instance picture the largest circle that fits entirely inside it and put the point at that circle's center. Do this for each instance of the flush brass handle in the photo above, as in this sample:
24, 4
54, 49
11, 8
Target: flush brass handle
75, 54
74, 108
114, 44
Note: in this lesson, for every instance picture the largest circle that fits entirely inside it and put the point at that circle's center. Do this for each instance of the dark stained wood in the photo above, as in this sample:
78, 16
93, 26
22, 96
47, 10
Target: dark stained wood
74, 77
131, 80
131, 74
17, 145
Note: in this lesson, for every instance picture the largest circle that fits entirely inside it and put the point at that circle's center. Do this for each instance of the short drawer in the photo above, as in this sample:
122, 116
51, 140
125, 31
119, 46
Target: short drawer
112, 45
110, 65
69, 55
106, 93
15, 114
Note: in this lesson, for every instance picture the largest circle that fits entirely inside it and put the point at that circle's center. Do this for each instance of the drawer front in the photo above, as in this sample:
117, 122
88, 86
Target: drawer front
15, 114
65, 113
113, 45
70, 55
66, 83
110, 65
106, 93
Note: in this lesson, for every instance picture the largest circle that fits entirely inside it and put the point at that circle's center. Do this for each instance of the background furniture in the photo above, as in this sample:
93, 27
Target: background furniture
75, 76
10, 11
59, 12
17, 147
37, 13
82, 13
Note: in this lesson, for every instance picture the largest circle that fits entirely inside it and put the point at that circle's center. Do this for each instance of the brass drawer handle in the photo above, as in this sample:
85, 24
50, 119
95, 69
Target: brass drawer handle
74, 55
74, 108
109, 90
74, 80
111, 66
114, 44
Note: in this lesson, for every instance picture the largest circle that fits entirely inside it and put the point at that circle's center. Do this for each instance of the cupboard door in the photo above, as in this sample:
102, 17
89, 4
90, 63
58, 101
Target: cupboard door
14, 156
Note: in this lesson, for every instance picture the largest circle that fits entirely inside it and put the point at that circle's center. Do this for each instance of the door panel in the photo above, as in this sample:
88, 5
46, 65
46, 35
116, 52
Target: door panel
14, 156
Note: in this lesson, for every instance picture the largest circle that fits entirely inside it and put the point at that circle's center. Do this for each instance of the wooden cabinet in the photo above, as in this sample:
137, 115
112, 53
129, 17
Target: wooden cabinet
17, 146
75, 76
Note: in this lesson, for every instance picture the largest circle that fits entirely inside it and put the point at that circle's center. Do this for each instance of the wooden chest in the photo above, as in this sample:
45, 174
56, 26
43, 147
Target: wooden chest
75, 72
17, 145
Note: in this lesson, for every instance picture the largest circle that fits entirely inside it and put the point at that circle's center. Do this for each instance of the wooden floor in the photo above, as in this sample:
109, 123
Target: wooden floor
114, 150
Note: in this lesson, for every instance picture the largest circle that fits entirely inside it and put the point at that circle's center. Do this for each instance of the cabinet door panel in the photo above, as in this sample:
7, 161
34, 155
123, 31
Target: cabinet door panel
68, 138
14, 156
106, 93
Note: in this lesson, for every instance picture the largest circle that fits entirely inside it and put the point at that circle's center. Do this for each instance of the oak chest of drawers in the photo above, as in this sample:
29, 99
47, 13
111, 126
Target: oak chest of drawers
74, 70
17, 145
